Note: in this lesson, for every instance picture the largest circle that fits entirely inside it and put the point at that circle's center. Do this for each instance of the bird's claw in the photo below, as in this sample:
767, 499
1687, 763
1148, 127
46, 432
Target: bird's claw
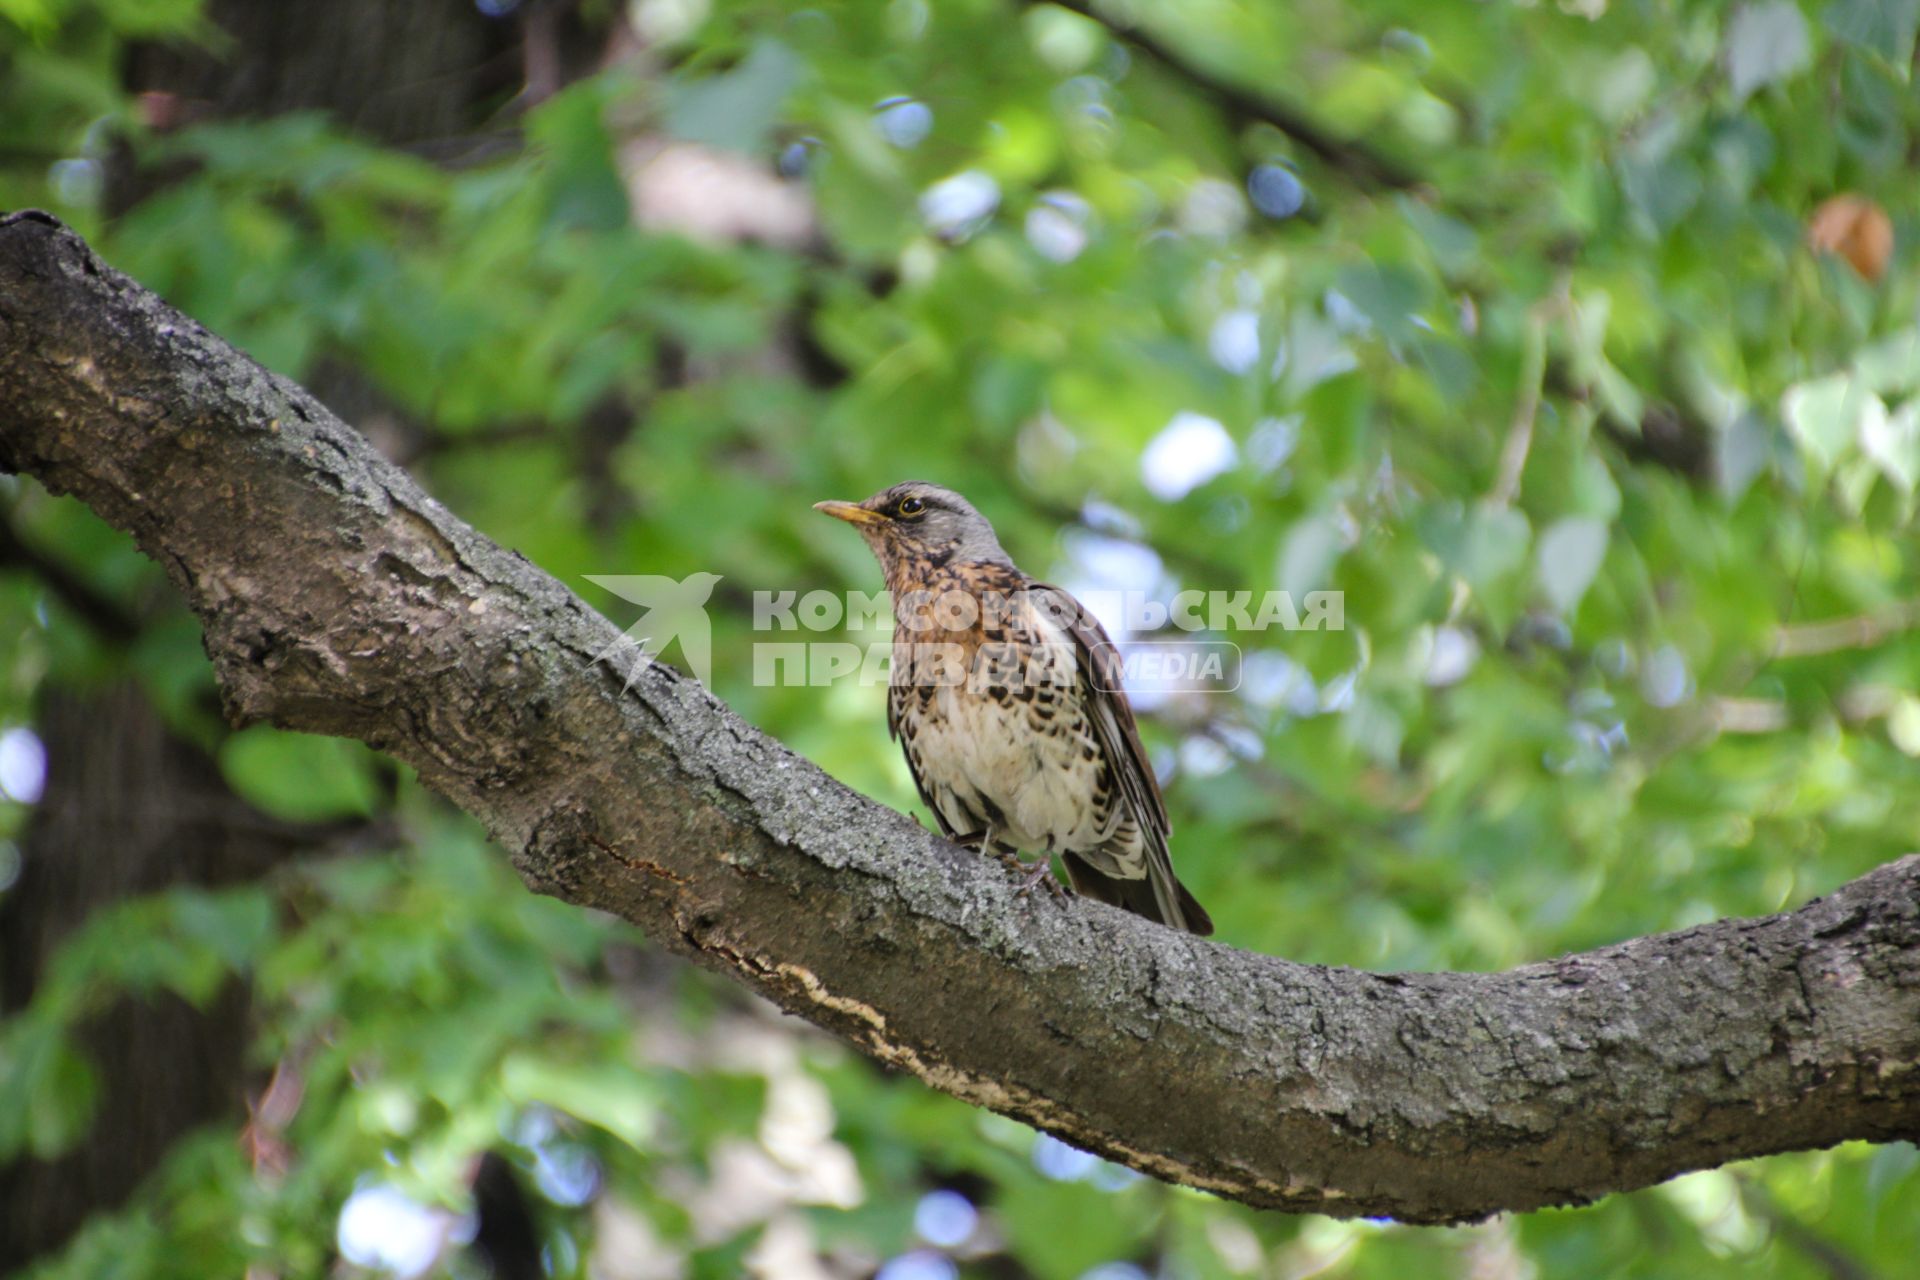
1032, 875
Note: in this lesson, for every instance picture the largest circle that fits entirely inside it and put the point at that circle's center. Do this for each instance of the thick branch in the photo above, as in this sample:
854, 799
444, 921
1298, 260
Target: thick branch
339, 598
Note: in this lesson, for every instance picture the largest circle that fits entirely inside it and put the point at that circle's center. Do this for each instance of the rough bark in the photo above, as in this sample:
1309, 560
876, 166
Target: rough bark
339, 598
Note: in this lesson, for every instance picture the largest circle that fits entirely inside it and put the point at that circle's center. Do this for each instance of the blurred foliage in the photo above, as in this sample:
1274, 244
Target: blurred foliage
1613, 466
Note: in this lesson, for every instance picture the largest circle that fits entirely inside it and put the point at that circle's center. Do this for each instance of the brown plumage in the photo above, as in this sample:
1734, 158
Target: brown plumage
1006, 697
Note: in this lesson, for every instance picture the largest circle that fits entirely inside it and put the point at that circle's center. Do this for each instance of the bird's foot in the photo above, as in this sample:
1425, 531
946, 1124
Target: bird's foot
1033, 874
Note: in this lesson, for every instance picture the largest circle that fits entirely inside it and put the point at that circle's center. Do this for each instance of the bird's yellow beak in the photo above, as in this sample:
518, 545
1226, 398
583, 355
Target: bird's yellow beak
851, 512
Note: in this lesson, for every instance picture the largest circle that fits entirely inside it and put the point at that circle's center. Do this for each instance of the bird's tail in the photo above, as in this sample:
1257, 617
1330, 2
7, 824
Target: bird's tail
1158, 895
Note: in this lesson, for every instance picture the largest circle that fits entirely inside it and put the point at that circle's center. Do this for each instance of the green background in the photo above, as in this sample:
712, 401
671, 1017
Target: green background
1571, 705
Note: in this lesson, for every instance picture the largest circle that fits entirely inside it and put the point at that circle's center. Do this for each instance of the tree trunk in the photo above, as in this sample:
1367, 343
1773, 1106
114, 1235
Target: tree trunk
128, 809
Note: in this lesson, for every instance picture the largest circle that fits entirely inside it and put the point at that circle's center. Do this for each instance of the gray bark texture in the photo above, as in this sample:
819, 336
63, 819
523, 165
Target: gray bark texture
339, 598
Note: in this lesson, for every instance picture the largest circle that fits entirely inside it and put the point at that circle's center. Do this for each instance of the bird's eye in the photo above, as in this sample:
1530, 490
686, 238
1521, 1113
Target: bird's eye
911, 507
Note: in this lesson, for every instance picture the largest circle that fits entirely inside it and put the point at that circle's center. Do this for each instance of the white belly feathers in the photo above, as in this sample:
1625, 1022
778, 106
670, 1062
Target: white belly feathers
974, 748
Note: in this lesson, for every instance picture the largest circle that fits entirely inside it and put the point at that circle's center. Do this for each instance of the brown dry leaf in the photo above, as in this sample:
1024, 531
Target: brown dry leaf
1855, 228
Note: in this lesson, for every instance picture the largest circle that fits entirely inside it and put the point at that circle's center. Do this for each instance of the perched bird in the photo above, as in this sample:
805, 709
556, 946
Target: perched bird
1006, 697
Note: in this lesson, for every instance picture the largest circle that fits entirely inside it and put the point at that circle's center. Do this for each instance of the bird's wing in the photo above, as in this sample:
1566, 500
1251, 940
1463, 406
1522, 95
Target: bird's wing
1099, 665
1158, 895
895, 695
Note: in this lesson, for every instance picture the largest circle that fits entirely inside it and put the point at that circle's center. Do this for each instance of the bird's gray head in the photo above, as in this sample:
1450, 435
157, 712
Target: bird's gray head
917, 520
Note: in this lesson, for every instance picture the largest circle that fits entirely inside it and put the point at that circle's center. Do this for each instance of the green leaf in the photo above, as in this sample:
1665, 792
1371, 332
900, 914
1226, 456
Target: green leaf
35, 17
1892, 440
1664, 186
48, 1091
1065, 1229
237, 925
297, 776
613, 1095
1903, 724
1890, 365
1454, 244
1882, 27
736, 109
1824, 416
1308, 555
1480, 544
1766, 43
586, 191
1569, 554
1389, 295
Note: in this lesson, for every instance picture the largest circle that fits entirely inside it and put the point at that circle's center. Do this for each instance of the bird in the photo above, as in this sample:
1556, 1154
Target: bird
1006, 696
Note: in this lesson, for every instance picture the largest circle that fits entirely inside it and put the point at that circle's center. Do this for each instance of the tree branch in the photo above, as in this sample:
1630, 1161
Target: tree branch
1360, 163
339, 598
